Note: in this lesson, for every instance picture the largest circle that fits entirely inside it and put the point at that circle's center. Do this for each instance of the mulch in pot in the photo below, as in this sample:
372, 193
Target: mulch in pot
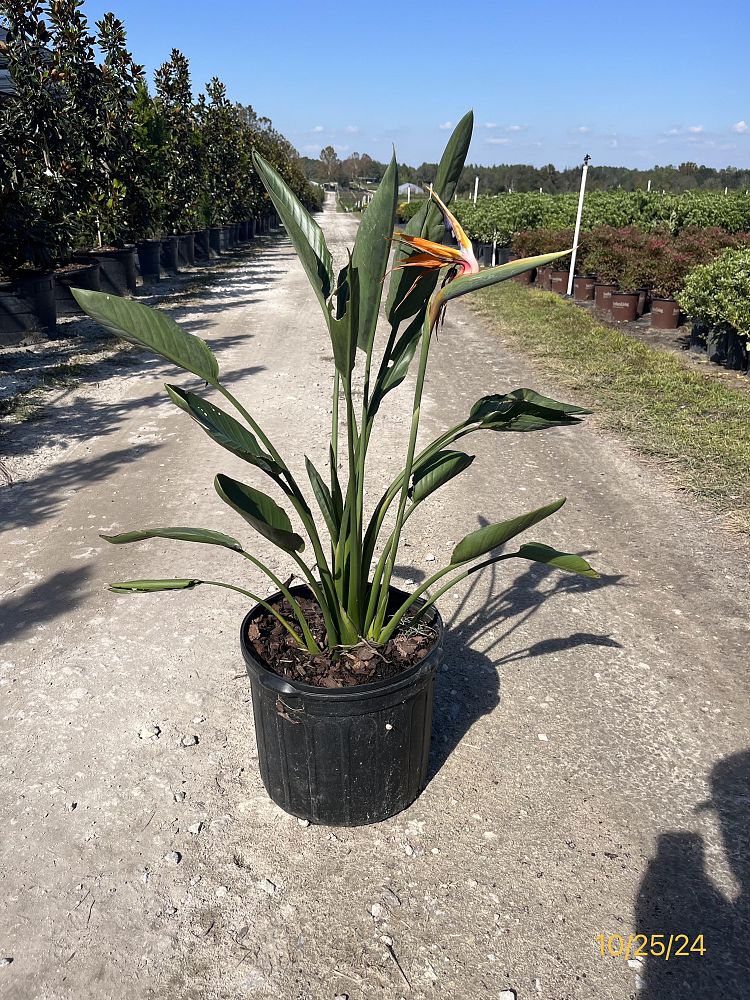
336, 668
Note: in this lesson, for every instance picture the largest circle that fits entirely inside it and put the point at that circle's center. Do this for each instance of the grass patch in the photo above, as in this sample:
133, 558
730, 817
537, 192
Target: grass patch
695, 424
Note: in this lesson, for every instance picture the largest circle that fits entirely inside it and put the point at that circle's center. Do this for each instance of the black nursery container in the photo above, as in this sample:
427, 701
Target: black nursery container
149, 259
344, 756
170, 253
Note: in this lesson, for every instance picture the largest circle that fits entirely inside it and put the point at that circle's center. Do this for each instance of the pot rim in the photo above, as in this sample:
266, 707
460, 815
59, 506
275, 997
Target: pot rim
286, 685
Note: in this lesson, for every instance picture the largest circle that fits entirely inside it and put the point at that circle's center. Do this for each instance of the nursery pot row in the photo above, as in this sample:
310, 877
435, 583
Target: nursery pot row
343, 756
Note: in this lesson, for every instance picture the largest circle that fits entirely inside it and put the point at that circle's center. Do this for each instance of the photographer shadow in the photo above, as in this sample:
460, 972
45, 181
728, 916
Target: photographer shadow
468, 686
677, 897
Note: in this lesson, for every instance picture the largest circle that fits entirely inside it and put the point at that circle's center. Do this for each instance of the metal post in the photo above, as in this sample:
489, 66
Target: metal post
476, 189
408, 195
649, 184
586, 160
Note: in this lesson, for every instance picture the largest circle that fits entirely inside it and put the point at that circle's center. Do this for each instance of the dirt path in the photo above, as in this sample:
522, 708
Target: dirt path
590, 772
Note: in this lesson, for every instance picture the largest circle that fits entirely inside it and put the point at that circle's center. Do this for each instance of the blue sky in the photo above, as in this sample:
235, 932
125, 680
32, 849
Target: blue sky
631, 84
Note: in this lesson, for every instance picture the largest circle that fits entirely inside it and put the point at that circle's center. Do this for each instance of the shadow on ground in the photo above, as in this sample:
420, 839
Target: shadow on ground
678, 899
34, 606
469, 687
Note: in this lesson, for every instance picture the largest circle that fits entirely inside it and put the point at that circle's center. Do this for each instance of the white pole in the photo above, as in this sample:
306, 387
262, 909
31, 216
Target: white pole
578, 224
726, 190
476, 189
494, 252
408, 195
649, 184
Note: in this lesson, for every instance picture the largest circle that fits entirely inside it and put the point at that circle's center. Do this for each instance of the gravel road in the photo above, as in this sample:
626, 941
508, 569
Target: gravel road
590, 772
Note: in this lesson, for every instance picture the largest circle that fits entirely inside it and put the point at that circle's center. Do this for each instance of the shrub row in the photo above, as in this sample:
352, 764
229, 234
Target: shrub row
500, 217
632, 258
90, 157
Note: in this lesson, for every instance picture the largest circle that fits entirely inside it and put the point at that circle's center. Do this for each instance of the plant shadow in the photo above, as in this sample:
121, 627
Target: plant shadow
468, 685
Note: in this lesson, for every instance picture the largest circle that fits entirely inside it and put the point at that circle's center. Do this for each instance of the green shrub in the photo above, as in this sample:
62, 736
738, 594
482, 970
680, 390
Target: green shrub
719, 292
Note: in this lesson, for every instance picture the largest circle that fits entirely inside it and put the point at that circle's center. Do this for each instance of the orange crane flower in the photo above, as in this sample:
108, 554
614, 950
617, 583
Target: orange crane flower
436, 255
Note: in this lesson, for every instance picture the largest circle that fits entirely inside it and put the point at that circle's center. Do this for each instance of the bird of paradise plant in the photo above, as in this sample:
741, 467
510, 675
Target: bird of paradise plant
352, 573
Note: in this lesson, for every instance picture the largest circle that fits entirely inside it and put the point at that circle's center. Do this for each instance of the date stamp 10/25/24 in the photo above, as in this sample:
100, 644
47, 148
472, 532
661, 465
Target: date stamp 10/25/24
665, 946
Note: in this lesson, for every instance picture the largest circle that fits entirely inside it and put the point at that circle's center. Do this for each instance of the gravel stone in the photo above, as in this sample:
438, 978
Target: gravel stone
149, 733
173, 857
188, 741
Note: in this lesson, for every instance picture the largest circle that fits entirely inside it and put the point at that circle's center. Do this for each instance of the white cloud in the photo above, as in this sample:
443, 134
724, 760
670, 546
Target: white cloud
672, 131
741, 128
317, 128
311, 148
446, 125
341, 149
695, 129
498, 141
583, 129
727, 145
613, 144
516, 128
352, 129
490, 124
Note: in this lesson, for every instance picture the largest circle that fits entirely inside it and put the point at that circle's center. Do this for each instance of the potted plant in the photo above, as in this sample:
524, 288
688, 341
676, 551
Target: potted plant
633, 273
603, 259
342, 666
669, 272
106, 223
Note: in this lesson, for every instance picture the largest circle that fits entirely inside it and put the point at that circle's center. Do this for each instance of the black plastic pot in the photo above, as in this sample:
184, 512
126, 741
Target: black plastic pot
344, 756
214, 235
202, 245
186, 249
149, 259
698, 335
118, 270
225, 238
26, 307
251, 229
716, 344
736, 351
39, 291
84, 276
170, 259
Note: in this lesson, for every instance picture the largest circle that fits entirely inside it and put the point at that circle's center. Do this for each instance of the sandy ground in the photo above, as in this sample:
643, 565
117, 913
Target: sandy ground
590, 771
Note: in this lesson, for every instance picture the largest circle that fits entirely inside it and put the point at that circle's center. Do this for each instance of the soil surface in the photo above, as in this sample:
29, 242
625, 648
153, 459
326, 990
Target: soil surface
364, 663
590, 772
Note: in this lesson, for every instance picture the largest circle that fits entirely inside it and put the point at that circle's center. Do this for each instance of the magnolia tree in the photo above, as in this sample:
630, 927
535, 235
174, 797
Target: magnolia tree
184, 159
44, 154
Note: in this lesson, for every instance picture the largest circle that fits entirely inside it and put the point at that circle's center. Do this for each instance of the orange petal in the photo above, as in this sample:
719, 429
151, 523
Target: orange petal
461, 237
445, 253
421, 260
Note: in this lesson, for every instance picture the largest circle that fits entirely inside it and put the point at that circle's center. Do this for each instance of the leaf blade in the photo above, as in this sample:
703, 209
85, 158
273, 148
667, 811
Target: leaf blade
260, 511
151, 586
204, 535
372, 248
150, 328
429, 475
485, 539
224, 429
304, 232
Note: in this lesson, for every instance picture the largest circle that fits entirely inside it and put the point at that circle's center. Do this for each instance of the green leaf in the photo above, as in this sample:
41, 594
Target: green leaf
428, 224
492, 275
304, 232
400, 358
522, 410
343, 327
537, 552
372, 249
260, 511
224, 429
149, 586
436, 471
204, 535
325, 501
480, 542
151, 328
